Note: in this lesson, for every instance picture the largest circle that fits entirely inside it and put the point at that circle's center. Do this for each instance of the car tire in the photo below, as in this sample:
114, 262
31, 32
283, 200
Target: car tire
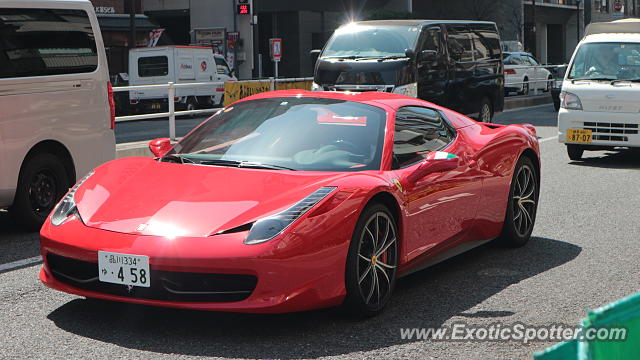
522, 205
485, 114
525, 87
575, 152
370, 273
548, 87
192, 104
43, 181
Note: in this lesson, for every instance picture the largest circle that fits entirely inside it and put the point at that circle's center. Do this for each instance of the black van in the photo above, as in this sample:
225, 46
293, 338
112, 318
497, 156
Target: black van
455, 64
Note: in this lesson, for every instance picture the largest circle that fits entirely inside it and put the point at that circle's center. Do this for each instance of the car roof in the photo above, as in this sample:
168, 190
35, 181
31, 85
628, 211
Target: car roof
517, 53
419, 22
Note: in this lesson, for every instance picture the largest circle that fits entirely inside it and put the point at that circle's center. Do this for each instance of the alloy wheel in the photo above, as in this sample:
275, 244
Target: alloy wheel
485, 113
524, 200
377, 259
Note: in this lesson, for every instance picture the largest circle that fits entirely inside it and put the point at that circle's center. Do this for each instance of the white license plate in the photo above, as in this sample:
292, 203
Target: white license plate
125, 269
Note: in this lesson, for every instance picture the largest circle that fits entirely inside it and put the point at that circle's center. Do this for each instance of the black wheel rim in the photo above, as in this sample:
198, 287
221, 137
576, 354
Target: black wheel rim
377, 260
43, 191
524, 201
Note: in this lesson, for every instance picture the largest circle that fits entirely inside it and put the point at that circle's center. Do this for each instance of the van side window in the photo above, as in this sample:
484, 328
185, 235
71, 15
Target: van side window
153, 66
418, 131
486, 42
222, 67
41, 42
430, 40
460, 48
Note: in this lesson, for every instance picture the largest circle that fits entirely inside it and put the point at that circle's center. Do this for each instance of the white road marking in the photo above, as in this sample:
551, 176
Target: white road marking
547, 139
20, 264
527, 107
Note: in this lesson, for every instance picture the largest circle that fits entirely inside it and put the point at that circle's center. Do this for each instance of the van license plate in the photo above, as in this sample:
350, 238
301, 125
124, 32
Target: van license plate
124, 269
579, 136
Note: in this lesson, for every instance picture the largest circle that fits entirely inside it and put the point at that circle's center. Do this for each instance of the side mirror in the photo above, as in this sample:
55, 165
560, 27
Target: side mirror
159, 147
314, 54
436, 162
410, 53
428, 55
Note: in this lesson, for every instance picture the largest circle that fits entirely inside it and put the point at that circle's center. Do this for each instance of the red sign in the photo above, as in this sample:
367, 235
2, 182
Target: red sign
203, 66
618, 6
276, 48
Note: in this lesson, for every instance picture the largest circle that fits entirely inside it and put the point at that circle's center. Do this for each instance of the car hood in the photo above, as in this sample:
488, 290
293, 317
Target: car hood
145, 197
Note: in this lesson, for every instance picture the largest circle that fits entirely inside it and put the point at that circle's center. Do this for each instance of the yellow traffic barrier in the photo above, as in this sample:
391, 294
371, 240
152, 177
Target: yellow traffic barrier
236, 90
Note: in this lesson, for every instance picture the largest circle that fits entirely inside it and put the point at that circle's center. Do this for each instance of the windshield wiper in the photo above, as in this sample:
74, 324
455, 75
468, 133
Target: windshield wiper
176, 157
244, 164
624, 80
592, 79
392, 57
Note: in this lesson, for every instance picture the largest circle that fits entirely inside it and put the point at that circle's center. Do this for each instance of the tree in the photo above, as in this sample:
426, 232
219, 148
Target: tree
483, 9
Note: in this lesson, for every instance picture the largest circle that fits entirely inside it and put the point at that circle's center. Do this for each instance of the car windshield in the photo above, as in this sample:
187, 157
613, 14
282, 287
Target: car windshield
297, 133
356, 41
607, 61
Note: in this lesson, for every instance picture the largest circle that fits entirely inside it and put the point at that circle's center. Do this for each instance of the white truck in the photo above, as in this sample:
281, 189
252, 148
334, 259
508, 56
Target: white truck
177, 64
600, 107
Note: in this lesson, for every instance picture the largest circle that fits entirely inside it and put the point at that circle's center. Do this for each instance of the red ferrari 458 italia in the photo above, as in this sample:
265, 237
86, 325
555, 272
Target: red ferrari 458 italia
294, 200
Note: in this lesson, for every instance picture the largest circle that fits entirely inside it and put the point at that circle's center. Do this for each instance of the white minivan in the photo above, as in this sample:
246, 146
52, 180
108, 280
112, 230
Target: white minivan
600, 98
56, 104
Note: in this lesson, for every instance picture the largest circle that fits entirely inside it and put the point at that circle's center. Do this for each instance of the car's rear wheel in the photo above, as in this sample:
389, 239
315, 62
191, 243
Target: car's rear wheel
525, 87
42, 182
575, 152
486, 111
548, 86
522, 206
371, 262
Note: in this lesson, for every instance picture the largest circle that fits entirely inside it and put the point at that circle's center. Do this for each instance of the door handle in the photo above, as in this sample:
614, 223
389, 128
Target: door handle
473, 163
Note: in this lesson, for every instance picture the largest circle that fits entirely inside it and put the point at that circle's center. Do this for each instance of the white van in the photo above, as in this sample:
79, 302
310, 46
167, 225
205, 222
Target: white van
177, 64
600, 98
56, 107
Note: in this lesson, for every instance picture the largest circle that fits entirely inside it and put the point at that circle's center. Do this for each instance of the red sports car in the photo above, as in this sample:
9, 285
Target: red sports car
294, 200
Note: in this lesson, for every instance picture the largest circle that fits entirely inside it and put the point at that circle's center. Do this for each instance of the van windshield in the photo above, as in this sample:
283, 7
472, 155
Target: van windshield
607, 61
358, 41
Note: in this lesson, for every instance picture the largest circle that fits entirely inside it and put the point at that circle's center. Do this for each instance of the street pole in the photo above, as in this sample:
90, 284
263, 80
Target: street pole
535, 36
235, 44
132, 24
578, 17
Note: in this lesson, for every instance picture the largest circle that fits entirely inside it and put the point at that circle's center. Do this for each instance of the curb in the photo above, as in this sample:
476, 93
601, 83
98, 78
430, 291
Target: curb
141, 148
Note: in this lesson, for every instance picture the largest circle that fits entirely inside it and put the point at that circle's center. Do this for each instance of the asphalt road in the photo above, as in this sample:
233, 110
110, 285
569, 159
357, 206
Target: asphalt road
584, 254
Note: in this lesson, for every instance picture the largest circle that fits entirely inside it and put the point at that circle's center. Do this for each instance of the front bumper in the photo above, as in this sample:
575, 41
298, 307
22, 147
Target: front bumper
300, 270
608, 129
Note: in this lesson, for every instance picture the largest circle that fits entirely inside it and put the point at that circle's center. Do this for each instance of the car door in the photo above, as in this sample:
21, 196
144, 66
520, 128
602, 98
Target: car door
433, 71
535, 72
440, 207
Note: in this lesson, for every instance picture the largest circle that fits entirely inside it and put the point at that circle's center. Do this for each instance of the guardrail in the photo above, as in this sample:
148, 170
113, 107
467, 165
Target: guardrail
171, 112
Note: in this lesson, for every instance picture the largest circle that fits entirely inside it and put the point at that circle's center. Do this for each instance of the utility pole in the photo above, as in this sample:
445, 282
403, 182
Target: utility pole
578, 18
534, 49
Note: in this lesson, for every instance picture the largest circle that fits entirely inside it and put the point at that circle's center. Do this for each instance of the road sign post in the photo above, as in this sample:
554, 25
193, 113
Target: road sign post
275, 46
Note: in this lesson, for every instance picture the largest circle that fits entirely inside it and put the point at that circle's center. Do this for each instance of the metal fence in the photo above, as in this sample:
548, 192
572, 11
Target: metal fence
171, 94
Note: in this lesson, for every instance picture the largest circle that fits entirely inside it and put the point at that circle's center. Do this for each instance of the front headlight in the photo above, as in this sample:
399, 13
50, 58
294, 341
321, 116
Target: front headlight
316, 87
570, 101
67, 206
268, 228
407, 90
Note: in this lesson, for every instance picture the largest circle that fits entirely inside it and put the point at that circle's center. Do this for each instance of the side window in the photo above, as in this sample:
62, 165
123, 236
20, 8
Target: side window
486, 42
41, 42
431, 40
153, 66
459, 44
222, 67
533, 61
418, 132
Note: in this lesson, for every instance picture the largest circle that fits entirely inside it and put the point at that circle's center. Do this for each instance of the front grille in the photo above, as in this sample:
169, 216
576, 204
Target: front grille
610, 138
165, 285
611, 128
361, 88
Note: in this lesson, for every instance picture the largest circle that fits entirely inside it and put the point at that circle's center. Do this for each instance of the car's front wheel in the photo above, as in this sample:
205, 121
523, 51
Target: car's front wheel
522, 206
575, 152
371, 262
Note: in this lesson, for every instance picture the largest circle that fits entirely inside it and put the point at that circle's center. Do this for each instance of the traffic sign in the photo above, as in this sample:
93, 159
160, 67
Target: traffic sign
276, 48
